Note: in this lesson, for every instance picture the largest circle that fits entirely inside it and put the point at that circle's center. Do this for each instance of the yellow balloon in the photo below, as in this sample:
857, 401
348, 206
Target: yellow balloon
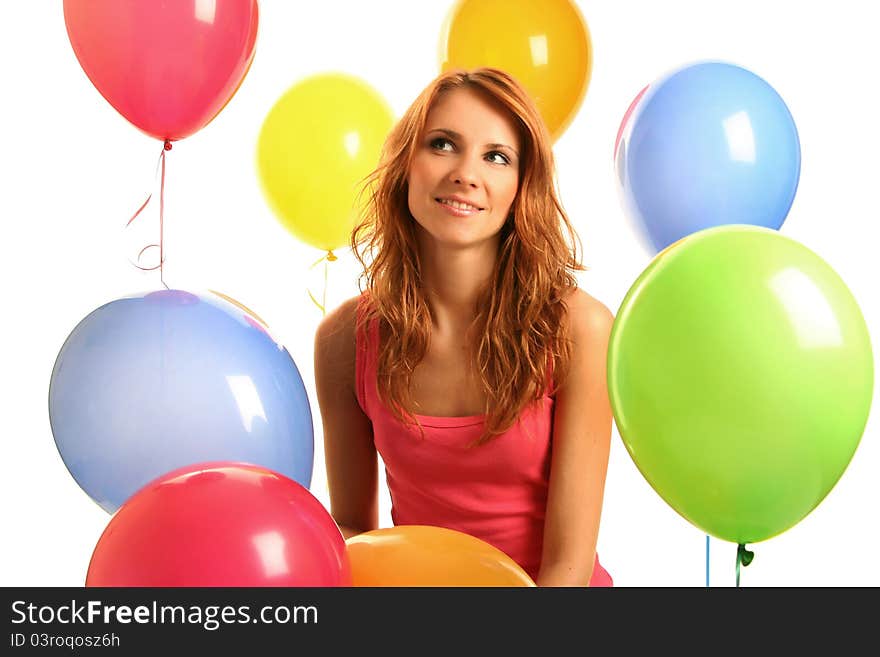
316, 145
544, 44
421, 555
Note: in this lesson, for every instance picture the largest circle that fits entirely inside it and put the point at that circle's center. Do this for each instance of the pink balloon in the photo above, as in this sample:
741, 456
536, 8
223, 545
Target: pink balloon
221, 524
167, 67
626, 117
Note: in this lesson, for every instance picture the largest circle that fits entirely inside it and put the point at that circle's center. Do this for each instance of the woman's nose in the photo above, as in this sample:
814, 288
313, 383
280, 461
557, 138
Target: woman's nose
464, 173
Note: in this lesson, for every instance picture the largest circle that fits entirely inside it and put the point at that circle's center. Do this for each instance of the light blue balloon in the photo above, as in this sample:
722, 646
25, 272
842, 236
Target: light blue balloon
708, 144
153, 382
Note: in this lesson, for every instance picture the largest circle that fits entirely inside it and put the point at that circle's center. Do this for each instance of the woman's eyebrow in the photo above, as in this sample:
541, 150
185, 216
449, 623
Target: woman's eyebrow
452, 134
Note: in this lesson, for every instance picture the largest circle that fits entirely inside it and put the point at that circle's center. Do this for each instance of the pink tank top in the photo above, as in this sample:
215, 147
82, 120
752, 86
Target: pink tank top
496, 492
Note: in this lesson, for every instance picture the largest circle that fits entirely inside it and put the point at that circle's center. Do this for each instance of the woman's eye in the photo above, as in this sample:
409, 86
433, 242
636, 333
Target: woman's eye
441, 144
496, 157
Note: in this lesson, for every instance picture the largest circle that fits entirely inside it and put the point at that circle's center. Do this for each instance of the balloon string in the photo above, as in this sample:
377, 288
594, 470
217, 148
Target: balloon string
743, 557
161, 245
707, 560
322, 306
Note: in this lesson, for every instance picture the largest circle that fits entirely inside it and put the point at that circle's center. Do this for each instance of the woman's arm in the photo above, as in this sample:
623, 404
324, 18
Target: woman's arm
349, 453
580, 447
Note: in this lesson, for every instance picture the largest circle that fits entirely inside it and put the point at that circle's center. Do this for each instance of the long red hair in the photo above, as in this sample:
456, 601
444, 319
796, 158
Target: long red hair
520, 314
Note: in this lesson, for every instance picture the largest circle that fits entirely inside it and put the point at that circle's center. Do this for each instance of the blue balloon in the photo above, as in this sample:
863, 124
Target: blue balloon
152, 382
708, 144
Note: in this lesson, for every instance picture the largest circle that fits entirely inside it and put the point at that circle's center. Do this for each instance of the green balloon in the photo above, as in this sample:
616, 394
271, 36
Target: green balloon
740, 375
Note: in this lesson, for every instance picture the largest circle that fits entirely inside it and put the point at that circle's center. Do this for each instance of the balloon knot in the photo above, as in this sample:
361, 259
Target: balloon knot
167, 145
330, 256
745, 556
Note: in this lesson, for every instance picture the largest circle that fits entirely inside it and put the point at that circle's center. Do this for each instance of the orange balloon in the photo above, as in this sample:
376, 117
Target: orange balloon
421, 555
544, 44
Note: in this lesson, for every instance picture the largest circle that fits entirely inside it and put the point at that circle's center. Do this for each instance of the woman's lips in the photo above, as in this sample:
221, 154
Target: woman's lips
459, 209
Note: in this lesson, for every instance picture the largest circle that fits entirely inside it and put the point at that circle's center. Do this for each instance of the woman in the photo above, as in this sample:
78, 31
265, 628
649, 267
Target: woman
472, 363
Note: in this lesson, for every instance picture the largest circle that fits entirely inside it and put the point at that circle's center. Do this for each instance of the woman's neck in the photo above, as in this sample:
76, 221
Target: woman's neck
453, 279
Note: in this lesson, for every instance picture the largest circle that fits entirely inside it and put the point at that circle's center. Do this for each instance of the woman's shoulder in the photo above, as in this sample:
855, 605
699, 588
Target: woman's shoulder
586, 314
335, 337
340, 323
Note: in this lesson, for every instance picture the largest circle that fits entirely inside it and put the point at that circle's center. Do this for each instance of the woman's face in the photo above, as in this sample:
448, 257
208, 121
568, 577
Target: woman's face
465, 171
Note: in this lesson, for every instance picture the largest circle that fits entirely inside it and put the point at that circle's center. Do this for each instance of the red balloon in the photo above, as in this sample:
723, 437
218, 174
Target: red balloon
167, 67
221, 524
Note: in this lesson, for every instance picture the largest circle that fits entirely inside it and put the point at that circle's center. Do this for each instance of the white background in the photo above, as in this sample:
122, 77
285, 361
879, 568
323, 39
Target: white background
73, 171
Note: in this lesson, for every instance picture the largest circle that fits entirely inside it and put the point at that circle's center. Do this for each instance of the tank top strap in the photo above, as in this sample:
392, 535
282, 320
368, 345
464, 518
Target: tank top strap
366, 350
549, 382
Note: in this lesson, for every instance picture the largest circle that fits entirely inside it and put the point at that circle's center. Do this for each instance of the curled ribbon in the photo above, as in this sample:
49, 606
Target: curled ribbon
322, 306
166, 146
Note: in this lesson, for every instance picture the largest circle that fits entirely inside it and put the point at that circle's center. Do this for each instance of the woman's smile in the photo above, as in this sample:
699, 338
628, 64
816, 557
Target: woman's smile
458, 208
